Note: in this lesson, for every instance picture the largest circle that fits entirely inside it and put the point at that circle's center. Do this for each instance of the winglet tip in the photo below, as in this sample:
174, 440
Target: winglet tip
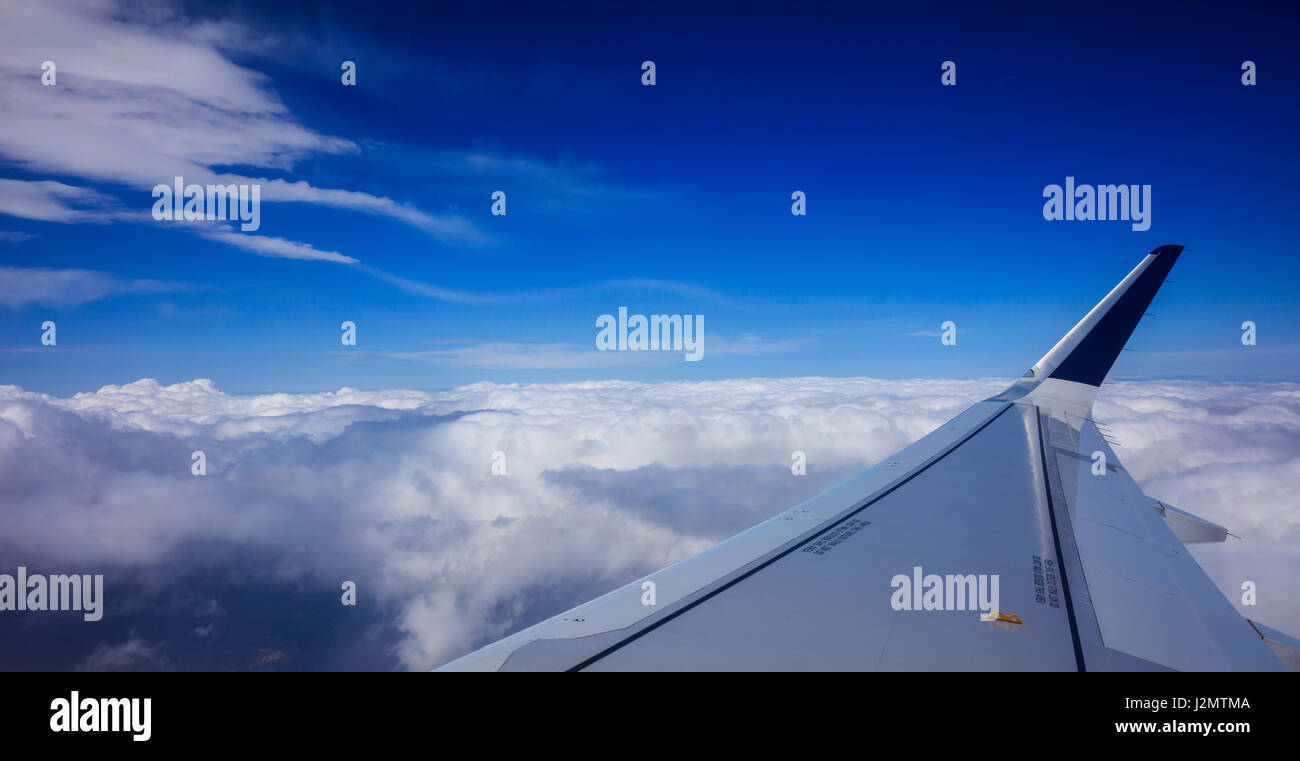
1101, 335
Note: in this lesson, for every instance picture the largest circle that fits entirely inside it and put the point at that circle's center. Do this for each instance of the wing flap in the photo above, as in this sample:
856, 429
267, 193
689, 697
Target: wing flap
1283, 645
1146, 596
1190, 529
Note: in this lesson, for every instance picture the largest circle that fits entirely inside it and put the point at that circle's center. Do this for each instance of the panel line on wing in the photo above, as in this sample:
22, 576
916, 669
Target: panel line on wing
1056, 539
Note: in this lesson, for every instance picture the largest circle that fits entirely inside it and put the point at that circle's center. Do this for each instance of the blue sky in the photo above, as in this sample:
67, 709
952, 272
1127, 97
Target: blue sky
924, 202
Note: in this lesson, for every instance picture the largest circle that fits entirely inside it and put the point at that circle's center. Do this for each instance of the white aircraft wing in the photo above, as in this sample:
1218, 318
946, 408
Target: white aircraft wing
1010, 538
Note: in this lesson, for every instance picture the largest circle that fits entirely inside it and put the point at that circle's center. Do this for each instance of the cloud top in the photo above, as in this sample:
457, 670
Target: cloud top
605, 481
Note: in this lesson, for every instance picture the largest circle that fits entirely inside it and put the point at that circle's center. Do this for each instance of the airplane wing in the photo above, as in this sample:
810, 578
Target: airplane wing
1010, 538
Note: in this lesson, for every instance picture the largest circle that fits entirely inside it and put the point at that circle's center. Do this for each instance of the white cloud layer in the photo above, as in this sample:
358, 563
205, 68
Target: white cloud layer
606, 481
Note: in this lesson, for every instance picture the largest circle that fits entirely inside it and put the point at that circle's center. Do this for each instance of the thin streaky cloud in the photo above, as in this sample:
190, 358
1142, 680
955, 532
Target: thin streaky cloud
443, 293
144, 104
266, 245
524, 355
27, 286
52, 201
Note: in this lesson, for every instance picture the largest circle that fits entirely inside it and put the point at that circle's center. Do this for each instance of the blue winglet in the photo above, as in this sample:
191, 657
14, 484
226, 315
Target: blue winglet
1092, 358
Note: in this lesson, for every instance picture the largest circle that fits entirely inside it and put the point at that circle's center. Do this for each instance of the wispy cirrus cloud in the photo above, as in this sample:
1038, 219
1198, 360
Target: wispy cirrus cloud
146, 97
143, 100
51, 201
524, 355
562, 184
25, 286
623, 287
267, 245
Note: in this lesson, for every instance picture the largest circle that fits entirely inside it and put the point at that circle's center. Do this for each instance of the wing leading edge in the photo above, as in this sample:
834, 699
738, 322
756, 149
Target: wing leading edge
990, 544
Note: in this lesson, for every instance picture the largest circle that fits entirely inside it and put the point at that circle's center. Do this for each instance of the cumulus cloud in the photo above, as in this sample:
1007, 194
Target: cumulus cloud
605, 481
132, 655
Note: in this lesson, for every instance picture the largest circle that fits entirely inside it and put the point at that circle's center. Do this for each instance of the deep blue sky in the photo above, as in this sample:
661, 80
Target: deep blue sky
924, 202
